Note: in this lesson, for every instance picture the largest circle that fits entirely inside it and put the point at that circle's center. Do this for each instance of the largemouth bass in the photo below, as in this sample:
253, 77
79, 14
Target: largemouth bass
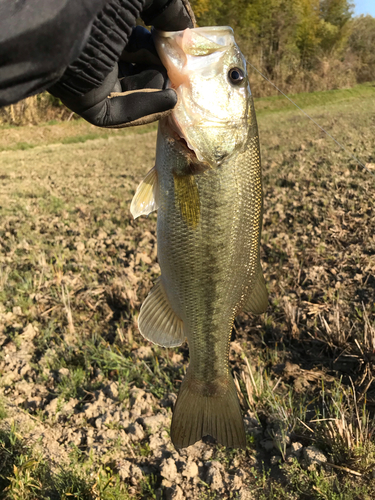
207, 188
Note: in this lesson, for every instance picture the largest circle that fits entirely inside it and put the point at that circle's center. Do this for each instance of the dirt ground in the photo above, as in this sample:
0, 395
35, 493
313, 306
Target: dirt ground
86, 402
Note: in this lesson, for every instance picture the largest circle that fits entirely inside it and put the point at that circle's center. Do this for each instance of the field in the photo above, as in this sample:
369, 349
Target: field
86, 403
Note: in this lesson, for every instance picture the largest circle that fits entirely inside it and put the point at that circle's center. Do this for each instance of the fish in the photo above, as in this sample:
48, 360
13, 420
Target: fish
207, 187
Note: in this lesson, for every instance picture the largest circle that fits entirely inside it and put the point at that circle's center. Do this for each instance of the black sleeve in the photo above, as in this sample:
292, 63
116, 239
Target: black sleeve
38, 40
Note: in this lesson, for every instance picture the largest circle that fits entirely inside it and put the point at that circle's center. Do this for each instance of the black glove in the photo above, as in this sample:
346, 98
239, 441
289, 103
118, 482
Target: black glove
110, 89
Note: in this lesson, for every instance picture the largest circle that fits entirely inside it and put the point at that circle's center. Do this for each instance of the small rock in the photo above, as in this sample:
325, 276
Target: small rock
313, 457
197, 451
128, 470
90, 438
169, 400
99, 422
207, 454
17, 311
190, 470
166, 483
29, 332
110, 434
64, 372
102, 235
51, 408
296, 449
238, 479
174, 492
245, 494
141, 403
80, 246
159, 444
33, 403
26, 370
111, 390
91, 410
176, 358
17, 401
116, 417
75, 436
143, 352
155, 422
135, 432
70, 405
168, 470
213, 475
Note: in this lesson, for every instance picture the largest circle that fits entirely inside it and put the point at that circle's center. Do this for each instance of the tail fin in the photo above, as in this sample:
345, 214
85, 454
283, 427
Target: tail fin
208, 409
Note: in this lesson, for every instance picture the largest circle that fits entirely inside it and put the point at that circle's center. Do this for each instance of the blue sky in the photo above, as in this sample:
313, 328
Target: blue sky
364, 7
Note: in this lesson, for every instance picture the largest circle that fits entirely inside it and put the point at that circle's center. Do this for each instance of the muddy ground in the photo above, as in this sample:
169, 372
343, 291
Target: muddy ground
91, 400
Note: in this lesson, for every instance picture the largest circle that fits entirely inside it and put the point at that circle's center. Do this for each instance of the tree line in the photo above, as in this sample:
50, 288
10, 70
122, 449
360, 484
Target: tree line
300, 45
303, 45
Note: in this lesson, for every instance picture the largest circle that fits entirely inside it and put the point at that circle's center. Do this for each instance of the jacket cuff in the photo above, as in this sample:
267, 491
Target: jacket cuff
109, 34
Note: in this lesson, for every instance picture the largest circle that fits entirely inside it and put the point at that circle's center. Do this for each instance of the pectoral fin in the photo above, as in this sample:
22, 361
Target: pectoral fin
145, 199
158, 322
257, 302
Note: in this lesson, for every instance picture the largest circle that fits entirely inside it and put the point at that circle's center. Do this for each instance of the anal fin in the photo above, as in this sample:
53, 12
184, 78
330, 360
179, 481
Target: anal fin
158, 322
145, 199
257, 301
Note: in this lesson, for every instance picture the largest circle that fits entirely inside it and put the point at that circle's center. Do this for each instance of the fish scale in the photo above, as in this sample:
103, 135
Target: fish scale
209, 200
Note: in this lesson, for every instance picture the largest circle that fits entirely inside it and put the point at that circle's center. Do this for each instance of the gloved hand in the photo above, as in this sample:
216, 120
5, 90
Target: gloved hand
134, 91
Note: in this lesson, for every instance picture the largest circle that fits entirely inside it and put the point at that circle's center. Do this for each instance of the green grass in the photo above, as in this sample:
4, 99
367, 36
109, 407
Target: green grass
25, 475
54, 132
307, 100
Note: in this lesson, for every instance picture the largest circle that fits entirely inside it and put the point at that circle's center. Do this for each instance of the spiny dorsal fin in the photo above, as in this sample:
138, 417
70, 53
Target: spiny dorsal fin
158, 322
145, 199
257, 302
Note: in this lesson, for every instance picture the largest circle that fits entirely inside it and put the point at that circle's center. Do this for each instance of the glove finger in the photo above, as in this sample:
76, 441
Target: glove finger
145, 79
142, 106
169, 15
140, 48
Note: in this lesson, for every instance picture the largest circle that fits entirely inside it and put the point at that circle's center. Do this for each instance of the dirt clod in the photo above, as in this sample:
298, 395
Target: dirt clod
313, 457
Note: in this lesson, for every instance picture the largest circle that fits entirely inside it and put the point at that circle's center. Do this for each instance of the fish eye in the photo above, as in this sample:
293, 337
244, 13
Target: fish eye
236, 75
